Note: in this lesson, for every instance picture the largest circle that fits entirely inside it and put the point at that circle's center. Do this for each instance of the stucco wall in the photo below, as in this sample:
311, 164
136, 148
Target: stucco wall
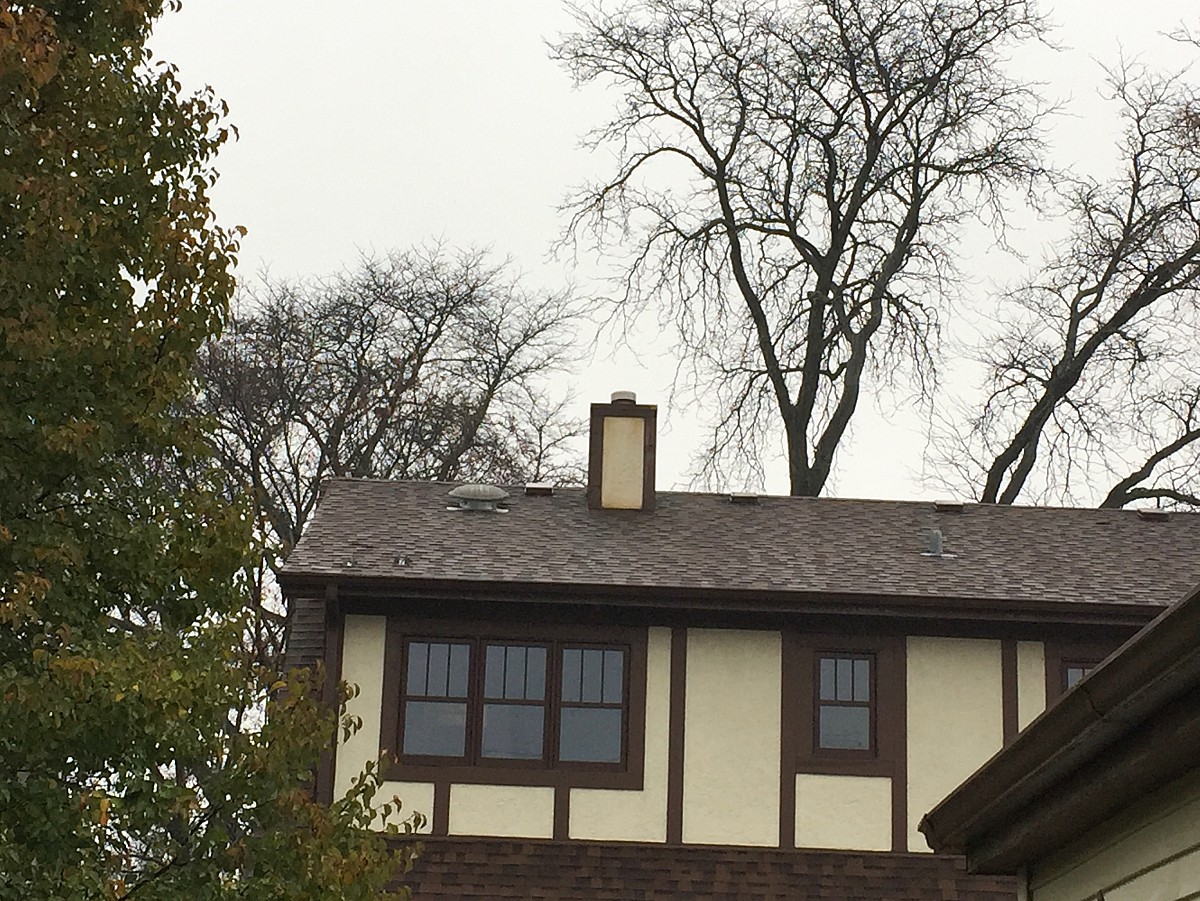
1150, 852
516, 811
1031, 681
955, 718
362, 665
851, 813
622, 468
731, 737
636, 815
415, 797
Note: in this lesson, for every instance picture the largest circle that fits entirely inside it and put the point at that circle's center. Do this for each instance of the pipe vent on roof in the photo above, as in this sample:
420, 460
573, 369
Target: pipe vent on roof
483, 498
937, 545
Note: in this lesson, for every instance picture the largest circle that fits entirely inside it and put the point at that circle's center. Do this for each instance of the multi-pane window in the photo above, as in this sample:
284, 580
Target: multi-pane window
435, 715
592, 696
485, 701
844, 708
1074, 671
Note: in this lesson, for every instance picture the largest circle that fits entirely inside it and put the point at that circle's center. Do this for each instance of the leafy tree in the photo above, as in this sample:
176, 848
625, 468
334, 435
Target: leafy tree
426, 364
792, 176
1093, 386
128, 765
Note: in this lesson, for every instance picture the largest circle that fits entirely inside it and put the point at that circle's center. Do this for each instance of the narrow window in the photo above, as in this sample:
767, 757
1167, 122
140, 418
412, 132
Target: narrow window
435, 710
844, 702
592, 698
1074, 671
514, 702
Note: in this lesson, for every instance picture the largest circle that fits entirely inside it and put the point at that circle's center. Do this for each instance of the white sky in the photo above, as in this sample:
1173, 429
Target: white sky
385, 124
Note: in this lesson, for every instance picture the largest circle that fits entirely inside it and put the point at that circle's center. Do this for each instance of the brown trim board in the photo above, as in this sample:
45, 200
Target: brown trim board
335, 622
441, 808
1008, 689
899, 729
789, 737
678, 701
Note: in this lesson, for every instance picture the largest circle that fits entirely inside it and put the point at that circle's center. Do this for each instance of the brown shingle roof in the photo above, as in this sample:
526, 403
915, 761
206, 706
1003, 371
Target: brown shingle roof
808, 545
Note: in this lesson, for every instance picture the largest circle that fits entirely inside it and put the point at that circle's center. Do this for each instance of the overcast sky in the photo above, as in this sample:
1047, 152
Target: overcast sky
384, 124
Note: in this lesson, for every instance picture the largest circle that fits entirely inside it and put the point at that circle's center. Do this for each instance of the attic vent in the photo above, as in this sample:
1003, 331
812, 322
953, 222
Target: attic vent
937, 545
1153, 515
945, 506
487, 498
743, 497
539, 489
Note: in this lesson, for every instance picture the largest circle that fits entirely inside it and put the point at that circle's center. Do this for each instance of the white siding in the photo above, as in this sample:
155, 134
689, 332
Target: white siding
1150, 852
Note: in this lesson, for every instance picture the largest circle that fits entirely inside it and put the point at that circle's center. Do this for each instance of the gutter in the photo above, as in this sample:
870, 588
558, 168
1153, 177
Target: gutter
1129, 726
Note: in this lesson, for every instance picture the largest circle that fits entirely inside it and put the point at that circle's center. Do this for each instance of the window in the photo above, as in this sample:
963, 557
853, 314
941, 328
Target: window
502, 708
845, 696
1074, 670
845, 711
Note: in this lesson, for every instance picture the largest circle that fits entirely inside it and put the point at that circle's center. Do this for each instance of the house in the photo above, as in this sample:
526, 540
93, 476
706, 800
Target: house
616, 692
1099, 800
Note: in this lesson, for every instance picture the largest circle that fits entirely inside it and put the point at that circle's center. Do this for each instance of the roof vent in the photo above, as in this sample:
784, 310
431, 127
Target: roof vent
1152, 514
948, 506
486, 498
743, 497
623, 397
539, 489
937, 545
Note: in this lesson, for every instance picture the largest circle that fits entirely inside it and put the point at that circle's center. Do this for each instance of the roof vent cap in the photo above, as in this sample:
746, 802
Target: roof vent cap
743, 497
937, 545
539, 489
1153, 514
478, 497
947, 506
624, 397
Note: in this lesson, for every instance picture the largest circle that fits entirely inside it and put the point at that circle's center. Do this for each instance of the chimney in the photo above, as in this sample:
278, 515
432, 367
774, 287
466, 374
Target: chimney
621, 454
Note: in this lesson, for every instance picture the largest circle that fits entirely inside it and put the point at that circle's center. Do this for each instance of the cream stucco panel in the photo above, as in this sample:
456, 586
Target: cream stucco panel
363, 641
852, 813
511, 811
731, 737
1148, 853
622, 469
1031, 681
955, 718
636, 815
415, 797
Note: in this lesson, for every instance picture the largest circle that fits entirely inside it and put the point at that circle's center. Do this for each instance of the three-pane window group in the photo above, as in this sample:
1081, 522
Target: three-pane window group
495, 700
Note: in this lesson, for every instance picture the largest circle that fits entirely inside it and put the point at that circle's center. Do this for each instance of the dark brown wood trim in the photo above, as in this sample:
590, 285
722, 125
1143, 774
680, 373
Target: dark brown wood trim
562, 812
331, 693
975, 617
441, 808
679, 638
789, 734
1061, 652
599, 412
1008, 689
898, 732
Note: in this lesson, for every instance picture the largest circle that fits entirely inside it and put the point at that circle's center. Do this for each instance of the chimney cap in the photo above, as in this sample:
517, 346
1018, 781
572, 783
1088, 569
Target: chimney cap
624, 397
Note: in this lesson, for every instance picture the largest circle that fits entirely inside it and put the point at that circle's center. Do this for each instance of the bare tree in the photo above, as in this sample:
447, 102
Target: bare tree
791, 176
422, 365
1093, 377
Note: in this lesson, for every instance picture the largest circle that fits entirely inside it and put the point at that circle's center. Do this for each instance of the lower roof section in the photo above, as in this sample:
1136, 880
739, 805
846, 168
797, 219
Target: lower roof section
478, 868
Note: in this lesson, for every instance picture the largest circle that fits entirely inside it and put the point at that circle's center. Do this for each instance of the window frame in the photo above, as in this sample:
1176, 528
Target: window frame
802, 654
1060, 655
473, 767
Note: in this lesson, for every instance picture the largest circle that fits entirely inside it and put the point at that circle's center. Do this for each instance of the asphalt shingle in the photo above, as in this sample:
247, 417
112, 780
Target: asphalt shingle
779, 544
